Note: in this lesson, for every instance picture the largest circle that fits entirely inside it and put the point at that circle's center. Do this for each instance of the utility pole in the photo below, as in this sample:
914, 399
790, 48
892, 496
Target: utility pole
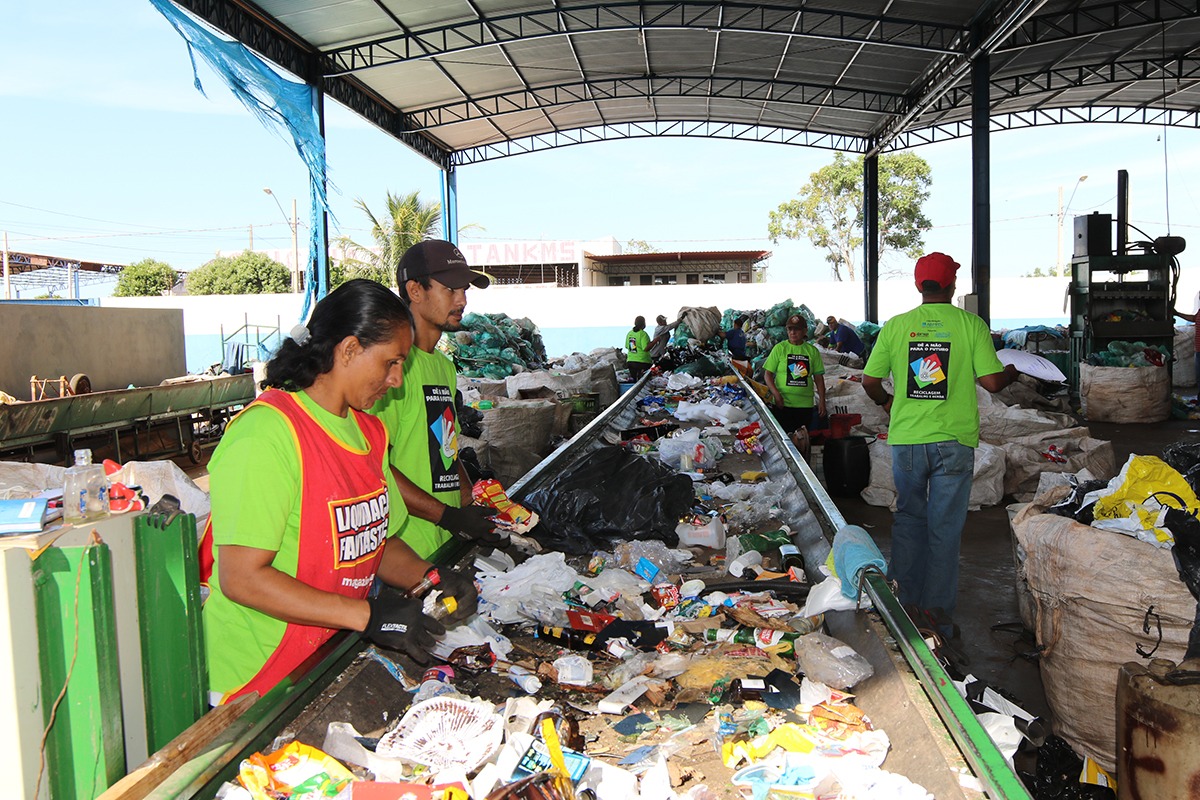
7, 275
295, 249
1058, 259
251, 247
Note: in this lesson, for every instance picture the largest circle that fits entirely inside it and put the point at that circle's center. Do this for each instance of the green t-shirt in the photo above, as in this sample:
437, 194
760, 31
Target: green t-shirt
638, 345
934, 353
795, 366
423, 427
254, 481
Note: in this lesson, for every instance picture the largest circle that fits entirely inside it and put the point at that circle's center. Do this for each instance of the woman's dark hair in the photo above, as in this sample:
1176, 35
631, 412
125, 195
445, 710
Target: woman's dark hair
361, 308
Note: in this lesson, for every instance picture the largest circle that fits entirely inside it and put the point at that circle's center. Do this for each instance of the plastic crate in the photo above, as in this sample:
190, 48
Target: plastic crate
588, 402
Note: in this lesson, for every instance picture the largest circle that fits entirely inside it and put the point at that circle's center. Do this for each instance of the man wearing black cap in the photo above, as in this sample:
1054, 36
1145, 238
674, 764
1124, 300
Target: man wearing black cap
433, 277
934, 354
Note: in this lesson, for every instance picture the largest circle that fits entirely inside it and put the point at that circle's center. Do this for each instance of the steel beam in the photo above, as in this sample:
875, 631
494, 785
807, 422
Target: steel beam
773, 92
981, 189
871, 238
714, 17
665, 128
1081, 21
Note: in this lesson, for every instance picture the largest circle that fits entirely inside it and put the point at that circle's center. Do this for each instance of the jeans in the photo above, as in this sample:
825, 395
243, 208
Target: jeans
933, 487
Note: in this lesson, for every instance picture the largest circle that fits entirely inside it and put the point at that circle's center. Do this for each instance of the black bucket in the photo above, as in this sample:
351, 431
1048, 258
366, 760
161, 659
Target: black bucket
847, 466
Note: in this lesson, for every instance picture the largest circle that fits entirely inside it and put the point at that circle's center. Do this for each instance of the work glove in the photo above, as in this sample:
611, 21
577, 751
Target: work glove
472, 523
397, 622
460, 586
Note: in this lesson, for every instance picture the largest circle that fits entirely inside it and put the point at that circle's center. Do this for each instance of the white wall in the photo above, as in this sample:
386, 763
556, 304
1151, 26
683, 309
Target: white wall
604, 306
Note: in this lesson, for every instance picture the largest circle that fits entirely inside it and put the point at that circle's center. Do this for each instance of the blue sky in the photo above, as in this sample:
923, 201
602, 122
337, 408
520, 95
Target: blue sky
110, 154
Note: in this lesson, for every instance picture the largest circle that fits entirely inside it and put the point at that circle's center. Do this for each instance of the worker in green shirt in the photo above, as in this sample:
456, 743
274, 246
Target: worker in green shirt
934, 355
420, 415
795, 377
637, 345
304, 511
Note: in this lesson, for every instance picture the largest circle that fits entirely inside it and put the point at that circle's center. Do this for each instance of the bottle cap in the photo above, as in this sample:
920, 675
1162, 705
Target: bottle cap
83, 456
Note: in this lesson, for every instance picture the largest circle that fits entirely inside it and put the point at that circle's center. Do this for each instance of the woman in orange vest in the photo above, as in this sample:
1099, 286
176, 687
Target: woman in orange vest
304, 505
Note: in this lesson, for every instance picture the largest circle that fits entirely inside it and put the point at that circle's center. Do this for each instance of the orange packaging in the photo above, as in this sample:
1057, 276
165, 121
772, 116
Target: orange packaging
510, 515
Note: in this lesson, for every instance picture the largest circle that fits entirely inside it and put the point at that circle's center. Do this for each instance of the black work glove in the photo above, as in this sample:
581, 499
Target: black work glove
397, 622
460, 586
472, 523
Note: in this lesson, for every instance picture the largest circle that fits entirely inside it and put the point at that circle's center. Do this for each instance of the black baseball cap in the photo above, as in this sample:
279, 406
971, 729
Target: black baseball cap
442, 261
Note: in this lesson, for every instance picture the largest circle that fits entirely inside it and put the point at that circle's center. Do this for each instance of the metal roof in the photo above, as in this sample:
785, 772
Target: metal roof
694, 256
463, 81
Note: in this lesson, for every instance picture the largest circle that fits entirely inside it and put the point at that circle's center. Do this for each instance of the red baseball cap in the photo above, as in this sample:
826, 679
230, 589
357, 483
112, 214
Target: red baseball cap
937, 267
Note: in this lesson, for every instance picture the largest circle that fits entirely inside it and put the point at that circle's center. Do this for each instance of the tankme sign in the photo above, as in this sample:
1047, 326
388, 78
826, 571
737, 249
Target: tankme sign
535, 252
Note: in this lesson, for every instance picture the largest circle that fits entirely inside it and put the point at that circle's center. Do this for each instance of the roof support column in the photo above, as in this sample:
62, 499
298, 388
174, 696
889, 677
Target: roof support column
871, 238
981, 191
449, 178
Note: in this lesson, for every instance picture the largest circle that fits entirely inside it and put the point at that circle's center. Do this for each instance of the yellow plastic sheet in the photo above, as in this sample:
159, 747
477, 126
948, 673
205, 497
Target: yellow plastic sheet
790, 736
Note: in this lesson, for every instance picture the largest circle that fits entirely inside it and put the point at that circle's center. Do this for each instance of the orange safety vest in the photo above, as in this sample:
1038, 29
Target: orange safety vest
343, 526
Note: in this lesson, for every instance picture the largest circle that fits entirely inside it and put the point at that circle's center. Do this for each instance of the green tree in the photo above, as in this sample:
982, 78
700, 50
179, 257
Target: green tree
640, 246
828, 210
146, 278
246, 273
406, 221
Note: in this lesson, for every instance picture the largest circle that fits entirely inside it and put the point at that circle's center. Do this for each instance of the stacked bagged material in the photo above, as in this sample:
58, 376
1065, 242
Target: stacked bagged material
495, 346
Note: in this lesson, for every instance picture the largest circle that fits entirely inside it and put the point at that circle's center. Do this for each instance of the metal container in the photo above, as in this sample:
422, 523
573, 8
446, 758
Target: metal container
1158, 725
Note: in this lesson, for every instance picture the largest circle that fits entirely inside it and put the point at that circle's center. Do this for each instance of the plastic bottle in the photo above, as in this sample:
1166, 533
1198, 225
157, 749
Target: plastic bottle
747, 565
434, 683
444, 607
85, 490
522, 677
432, 578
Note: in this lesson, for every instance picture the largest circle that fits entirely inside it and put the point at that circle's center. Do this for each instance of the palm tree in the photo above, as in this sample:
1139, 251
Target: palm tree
406, 222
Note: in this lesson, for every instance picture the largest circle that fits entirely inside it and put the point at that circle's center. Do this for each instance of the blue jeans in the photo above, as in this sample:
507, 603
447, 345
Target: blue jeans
933, 487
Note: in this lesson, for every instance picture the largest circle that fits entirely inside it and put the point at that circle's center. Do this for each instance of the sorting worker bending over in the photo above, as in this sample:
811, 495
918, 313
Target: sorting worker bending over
934, 353
844, 338
304, 512
795, 376
420, 415
637, 346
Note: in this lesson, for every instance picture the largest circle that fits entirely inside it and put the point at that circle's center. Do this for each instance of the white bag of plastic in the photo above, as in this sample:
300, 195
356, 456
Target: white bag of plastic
831, 661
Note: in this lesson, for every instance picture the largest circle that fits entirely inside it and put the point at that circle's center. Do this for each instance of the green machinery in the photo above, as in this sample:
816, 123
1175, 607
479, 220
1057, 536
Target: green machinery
102, 663
1121, 294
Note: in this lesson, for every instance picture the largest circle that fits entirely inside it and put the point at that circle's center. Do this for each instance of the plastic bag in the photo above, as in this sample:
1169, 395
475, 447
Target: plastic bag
831, 661
609, 494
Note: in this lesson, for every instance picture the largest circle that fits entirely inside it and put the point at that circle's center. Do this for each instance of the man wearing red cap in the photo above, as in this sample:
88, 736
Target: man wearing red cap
934, 354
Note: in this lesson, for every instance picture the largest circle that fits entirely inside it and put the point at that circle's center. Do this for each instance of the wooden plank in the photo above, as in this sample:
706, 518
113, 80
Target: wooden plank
142, 781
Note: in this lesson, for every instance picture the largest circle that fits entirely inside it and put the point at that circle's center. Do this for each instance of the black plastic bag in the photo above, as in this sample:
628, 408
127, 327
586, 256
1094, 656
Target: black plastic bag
609, 495
1184, 458
1072, 505
1186, 552
1057, 776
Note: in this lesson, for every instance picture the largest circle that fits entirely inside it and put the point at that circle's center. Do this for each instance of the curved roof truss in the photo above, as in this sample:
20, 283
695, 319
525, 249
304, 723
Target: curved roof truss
464, 81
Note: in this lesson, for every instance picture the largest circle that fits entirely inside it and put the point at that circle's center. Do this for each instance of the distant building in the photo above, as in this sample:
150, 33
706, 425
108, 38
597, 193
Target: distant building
569, 263
671, 269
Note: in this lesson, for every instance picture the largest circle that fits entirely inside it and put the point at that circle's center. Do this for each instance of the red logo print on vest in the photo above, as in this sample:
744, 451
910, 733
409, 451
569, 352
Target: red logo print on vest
360, 526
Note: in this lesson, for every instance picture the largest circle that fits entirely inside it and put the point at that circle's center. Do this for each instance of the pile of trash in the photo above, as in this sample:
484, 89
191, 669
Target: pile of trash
669, 667
495, 346
1130, 354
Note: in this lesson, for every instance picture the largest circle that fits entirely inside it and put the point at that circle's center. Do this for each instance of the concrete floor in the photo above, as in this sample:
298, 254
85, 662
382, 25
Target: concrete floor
987, 593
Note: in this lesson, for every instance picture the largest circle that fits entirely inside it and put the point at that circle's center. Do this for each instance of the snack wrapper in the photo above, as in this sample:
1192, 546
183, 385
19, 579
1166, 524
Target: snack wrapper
509, 515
